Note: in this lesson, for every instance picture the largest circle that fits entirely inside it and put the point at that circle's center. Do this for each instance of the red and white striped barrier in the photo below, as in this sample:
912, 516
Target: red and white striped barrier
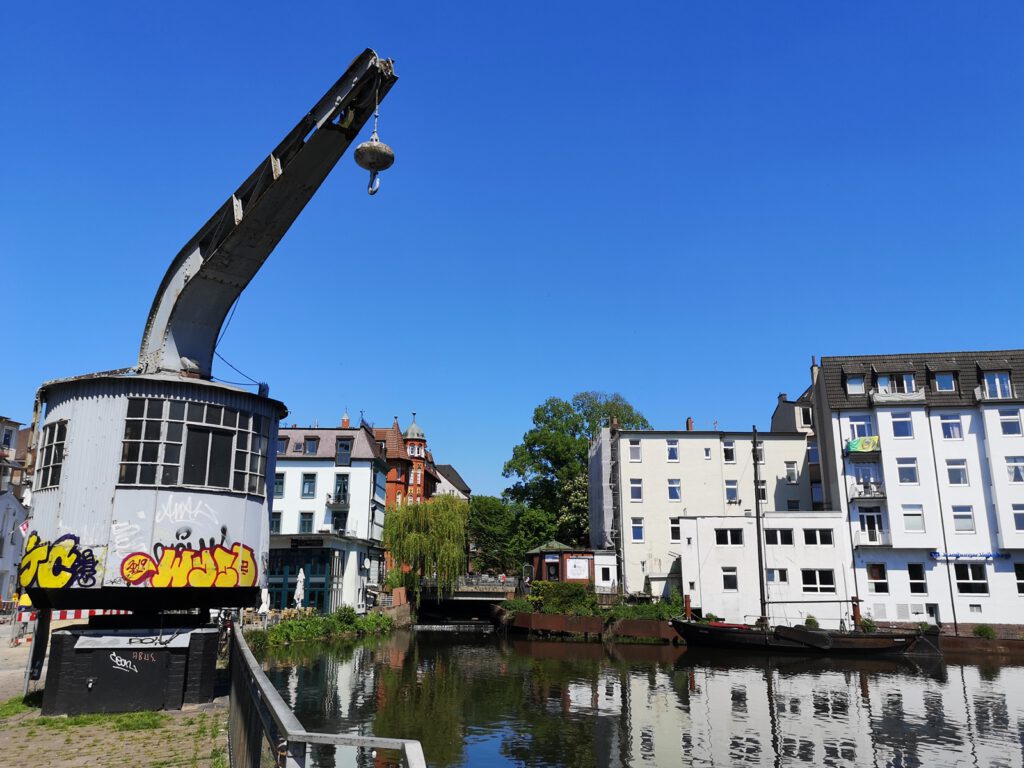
81, 613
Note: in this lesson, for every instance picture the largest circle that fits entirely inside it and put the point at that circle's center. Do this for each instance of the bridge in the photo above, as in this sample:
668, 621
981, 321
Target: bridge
479, 588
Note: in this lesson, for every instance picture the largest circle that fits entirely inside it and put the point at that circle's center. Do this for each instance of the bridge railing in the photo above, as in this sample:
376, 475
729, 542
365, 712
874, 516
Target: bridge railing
481, 581
264, 732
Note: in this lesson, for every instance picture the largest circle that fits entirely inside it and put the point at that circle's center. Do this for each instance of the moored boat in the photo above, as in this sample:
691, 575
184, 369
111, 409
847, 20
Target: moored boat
793, 639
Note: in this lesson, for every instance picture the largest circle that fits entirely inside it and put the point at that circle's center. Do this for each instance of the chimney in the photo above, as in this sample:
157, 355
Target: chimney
689, 424
615, 424
344, 420
782, 397
814, 370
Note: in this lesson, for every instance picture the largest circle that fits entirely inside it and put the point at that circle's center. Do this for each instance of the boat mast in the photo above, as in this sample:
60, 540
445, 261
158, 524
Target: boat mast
757, 516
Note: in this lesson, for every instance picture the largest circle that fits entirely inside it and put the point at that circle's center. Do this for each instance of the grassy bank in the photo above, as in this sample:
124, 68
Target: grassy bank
342, 623
579, 600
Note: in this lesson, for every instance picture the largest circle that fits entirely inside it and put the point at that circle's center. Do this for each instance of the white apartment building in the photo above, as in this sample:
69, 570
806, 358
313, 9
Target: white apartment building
678, 507
327, 516
924, 454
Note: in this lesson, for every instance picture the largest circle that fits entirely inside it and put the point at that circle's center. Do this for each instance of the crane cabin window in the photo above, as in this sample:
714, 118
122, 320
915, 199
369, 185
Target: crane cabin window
174, 443
51, 455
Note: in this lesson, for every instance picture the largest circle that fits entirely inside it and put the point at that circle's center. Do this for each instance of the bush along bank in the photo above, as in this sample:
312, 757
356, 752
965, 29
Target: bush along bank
344, 622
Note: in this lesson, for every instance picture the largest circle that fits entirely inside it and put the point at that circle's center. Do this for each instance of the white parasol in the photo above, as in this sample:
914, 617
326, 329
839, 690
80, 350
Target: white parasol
300, 588
264, 608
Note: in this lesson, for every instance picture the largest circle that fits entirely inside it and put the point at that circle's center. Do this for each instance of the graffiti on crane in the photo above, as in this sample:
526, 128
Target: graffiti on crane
58, 564
209, 566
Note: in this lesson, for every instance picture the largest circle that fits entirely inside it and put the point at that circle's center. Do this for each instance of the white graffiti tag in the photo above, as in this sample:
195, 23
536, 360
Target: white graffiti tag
121, 663
178, 510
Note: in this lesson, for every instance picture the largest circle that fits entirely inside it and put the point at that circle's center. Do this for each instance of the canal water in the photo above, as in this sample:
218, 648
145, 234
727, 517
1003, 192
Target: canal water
476, 699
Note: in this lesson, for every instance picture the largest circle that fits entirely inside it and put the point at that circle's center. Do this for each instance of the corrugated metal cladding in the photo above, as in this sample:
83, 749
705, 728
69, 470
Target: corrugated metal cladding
96, 539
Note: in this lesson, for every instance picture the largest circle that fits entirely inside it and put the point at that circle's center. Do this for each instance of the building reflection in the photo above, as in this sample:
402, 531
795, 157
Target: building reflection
475, 700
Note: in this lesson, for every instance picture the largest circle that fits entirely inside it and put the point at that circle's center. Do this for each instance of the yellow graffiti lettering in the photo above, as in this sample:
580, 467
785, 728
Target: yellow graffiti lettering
57, 570
245, 564
208, 567
35, 553
55, 565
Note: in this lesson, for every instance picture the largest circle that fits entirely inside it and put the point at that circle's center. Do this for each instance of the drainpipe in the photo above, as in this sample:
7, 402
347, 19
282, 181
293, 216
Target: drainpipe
942, 519
849, 523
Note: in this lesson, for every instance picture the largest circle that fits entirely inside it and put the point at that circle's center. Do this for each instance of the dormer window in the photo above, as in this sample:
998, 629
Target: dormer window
855, 385
343, 452
282, 445
896, 383
997, 385
945, 382
309, 445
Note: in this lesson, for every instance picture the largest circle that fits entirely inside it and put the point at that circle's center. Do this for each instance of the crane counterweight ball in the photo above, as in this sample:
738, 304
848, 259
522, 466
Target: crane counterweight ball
375, 156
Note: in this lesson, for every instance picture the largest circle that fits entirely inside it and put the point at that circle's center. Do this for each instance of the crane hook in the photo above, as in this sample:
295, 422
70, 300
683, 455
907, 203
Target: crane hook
374, 183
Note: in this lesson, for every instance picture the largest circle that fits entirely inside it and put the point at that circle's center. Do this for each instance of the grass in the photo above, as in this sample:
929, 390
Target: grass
125, 721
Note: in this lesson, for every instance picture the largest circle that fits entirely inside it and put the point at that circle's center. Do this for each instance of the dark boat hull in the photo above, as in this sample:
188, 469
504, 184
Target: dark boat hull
794, 640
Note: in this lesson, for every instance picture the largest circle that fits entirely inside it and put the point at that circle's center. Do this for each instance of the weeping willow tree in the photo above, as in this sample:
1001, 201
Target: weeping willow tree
429, 538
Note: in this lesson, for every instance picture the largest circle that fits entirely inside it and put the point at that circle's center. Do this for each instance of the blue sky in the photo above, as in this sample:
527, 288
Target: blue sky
679, 202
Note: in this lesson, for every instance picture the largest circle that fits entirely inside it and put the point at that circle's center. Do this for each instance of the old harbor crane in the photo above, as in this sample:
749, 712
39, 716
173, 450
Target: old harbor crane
150, 489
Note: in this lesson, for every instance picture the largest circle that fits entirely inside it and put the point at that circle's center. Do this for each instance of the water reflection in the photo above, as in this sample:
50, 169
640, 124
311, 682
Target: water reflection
482, 701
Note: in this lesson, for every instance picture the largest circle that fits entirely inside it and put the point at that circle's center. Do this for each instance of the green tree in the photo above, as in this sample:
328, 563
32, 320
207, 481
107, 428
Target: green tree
533, 527
430, 538
491, 523
550, 465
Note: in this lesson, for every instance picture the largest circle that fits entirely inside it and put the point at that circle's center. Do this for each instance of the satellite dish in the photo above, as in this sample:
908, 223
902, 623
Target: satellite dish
366, 564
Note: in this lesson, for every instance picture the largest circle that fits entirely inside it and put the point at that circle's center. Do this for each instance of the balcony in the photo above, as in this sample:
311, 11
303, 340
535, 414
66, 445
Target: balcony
879, 397
337, 502
869, 490
862, 448
872, 538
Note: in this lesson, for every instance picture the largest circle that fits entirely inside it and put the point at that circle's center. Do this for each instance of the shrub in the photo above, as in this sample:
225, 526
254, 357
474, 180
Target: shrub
867, 624
711, 617
518, 605
810, 622
985, 631
662, 610
561, 597
257, 639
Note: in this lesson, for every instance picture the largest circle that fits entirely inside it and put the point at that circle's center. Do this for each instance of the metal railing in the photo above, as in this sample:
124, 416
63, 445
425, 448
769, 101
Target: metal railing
872, 538
868, 490
263, 731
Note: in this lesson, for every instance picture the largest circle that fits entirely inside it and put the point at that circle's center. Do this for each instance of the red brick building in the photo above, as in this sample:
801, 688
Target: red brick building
412, 476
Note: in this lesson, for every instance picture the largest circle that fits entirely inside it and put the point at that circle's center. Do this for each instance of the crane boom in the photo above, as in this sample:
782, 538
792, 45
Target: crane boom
212, 270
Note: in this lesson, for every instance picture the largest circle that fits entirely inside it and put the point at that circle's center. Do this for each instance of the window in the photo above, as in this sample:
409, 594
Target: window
279, 485
945, 382
1018, 571
1015, 468
729, 451
817, 493
730, 582
310, 444
729, 537
275, 522
777, 576
913, 518
855, 385
282, 445
762, 490
8, 439
791, 473
675, 533
309, 486
636, 527
636, 489
51, 454
673, 449
971, 578
997, 385
1018, 516
634, 450
951, 427
1009, 421
305, 522
957, 471
915, 574
806, 416
906, 471
902, 425
812, 452
963, 519
707, 454
819, 536
759, 452
674, 490
818, 580
861, 426
343, 452
877, 580
171, 442
606, 573
340, 495
896, 383
778, 536
793, 505
732, 492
